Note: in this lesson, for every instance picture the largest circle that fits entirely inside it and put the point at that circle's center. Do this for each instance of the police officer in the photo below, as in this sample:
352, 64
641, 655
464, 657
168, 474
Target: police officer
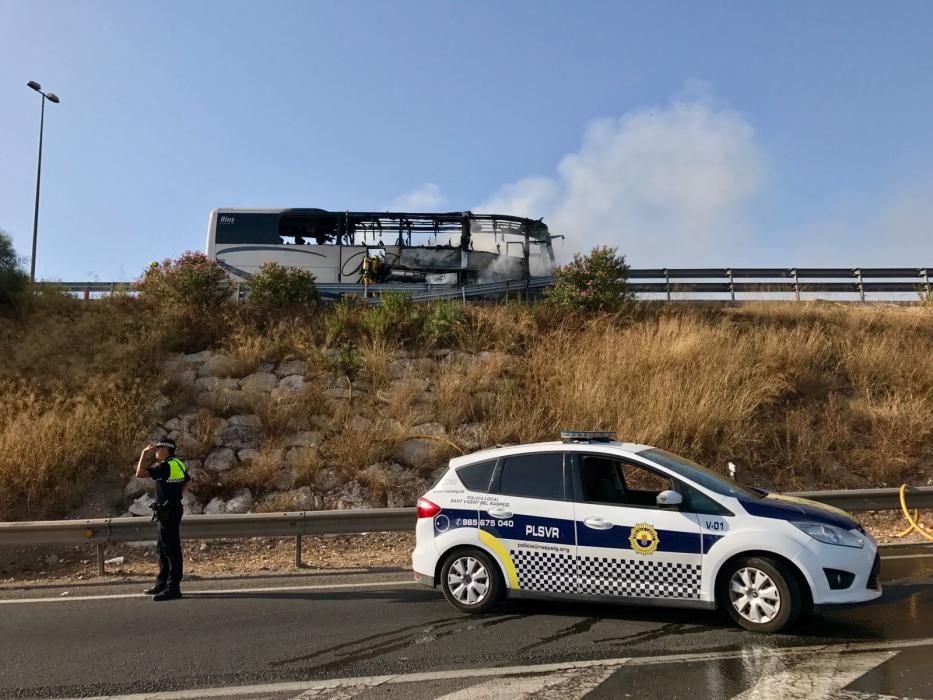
171, 478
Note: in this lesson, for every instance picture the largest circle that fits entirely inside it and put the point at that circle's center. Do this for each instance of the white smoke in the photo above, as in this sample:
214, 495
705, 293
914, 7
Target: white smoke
667, 186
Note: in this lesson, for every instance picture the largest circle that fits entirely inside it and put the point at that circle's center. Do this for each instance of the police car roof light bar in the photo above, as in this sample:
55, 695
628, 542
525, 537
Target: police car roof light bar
587, 436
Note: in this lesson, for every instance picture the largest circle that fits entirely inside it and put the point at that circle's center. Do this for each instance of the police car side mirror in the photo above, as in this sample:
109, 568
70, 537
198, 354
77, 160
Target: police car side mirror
668, 499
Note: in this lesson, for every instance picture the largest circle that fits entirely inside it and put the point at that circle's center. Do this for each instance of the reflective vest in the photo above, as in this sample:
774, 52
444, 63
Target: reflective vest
178, 473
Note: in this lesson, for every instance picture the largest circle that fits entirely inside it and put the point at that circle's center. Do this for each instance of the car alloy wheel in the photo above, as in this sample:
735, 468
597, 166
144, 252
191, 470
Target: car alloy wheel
468, 580
754, 595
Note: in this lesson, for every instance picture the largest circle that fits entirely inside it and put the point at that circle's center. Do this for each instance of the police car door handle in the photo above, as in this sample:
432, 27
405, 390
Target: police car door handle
500, 513
598, 523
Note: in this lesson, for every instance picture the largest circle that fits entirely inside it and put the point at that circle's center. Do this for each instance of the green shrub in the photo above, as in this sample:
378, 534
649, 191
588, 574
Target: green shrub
13, 281
396, 318
191, 280
443, 322
596, 282
277, 285
344, 322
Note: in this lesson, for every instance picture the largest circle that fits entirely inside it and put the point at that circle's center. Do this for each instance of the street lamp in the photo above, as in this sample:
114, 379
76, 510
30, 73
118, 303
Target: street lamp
51, 97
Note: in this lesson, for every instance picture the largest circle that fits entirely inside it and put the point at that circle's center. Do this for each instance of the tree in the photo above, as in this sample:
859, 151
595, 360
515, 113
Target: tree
13, 280
596, 282
277, 285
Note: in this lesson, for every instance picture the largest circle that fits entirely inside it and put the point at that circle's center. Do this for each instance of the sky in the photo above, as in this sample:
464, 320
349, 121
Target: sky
686, 134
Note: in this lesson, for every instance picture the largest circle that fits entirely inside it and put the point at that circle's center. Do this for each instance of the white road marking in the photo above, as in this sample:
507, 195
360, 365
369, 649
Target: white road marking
567, 684
816, 677
213, 591
502, 671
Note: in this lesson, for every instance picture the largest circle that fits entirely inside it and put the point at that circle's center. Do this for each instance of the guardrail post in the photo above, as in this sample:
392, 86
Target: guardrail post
861, 285
926, 284
667, 283
100, 559
731, 284
298, 551
87, 294
463, 294
796, 284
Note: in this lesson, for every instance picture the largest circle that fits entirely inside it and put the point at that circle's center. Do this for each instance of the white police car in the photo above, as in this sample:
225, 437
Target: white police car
589, 518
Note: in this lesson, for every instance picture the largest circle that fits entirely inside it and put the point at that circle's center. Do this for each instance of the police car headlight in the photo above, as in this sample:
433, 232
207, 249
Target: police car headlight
829, 534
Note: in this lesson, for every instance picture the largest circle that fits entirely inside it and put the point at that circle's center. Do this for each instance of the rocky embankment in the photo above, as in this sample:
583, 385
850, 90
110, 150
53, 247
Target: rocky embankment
296, 435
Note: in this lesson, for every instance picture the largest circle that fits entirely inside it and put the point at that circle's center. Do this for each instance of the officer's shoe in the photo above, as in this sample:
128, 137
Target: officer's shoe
156, 589
167, 594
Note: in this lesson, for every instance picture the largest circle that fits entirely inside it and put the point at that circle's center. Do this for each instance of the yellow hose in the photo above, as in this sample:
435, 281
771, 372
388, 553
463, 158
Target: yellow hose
912, 519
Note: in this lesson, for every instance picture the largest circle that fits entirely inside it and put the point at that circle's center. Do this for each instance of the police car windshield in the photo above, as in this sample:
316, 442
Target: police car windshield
700, 475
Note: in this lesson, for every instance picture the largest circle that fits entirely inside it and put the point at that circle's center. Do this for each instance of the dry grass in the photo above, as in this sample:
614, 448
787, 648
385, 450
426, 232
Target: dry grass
798, 394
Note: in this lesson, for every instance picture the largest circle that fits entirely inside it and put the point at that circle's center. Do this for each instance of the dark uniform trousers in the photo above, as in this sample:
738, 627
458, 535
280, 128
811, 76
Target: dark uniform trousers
171, 569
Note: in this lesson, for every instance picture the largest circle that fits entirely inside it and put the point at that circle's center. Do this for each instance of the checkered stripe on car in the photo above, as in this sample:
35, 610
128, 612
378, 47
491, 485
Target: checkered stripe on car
641, 578
544, 571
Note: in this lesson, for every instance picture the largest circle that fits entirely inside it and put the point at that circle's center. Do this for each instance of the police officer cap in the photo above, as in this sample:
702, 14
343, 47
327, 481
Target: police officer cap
166, 442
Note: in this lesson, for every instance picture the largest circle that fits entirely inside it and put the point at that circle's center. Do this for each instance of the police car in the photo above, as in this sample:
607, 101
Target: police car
590, 518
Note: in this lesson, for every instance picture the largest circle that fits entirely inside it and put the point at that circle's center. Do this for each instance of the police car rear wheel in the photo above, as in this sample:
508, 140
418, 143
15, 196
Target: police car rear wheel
471, 581
760, 594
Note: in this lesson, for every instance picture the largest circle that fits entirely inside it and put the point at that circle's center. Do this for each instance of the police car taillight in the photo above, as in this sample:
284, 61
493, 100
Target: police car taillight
426, 509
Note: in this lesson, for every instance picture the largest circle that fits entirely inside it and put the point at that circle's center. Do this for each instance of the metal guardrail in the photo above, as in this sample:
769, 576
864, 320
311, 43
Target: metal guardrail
761, 281
334, 522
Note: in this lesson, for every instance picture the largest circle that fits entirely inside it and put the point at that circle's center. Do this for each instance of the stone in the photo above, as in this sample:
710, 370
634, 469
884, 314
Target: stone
415, 452
213, 384
157, 434
238, 438
246, 421
407, 493
247, 455
185, 377
303, 498
158, 404
191, 504
399, 369
220, 460
308, 438
291, 367
216, 506
242, 502
284, 480
350, 496
174, 425
259, 382
342, 393
266, 367
172, 363
328, 479
140, 506
471, 436
137, 487
197, 357
359, 424
293, 382
218, 365
52, 560
434, 429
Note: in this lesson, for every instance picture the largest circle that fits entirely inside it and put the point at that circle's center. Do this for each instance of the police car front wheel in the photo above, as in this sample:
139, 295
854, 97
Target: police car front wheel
471, 581
760, 594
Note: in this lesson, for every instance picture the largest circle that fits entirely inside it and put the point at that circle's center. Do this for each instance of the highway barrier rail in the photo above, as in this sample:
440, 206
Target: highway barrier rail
670, 283
104, 531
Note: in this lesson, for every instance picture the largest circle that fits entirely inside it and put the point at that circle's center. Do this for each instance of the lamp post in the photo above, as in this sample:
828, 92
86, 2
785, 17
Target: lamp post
51, 97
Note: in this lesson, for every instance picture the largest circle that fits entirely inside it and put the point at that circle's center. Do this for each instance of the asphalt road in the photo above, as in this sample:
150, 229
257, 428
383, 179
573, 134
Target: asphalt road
364, 635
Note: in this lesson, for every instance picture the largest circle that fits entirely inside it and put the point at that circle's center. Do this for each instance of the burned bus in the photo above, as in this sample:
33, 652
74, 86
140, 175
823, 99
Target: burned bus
434, 248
